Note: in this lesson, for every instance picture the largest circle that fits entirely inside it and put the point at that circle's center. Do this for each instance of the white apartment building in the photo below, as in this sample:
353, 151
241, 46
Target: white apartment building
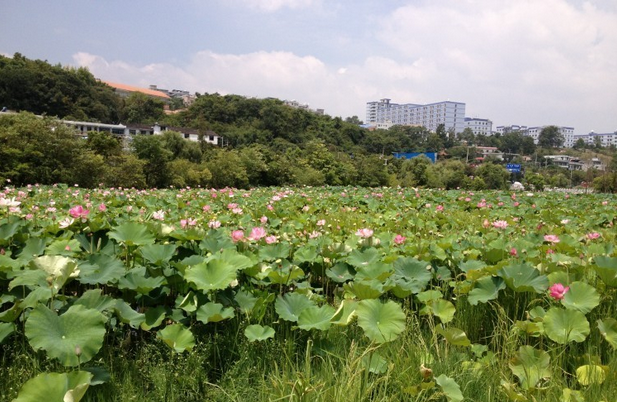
534, 132
450, 114
479, 126
606, 139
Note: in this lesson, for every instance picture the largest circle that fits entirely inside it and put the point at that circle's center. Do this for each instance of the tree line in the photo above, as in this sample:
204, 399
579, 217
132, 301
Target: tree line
265, 142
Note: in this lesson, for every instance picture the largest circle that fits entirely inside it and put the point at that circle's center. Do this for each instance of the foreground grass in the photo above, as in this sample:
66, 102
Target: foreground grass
338, 365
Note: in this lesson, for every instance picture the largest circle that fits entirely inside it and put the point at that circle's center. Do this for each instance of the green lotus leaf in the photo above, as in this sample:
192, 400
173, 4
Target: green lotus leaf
127, 315
606, 268
377, 270
306, 253
608, 329
214, 312
34, 247
345, 313
569, 395
132, 234
138, 279
215, 242
153, 318
364, 258
454, 336
8, 264
245, 300
486, 288
591, 374
6, 329
101, 269
58, 269
30, 278
158, 254
290, 306
581, 297
66, 247
524, 278
96, 300
287, 275
375, 363
316, 318
213, 275
531, 366
381, 322
471, 265
38, 295
429, 296
68, 387
258, 333
191, 301
77, 330
563, 326
450, 388
233, 258
363, 290
274, 252
443, 309
177, 337
340, 273
14, 312
7, 231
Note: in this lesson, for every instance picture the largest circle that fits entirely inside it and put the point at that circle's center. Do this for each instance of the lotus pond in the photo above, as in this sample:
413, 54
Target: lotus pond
306, 294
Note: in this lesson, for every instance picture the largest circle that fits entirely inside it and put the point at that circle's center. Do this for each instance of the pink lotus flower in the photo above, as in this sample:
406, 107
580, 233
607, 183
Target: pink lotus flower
237, 235
558, 291
500, 224
159, 215
257, 233
399, 239
102, 207
486, 224
513, 252
79, 212
439, 208
214, 224
263, 219
364, 233
321, 222
271, 239
551, 238
593, 235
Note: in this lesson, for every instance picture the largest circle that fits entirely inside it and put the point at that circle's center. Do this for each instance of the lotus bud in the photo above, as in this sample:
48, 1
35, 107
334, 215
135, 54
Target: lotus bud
78, 350
426, 372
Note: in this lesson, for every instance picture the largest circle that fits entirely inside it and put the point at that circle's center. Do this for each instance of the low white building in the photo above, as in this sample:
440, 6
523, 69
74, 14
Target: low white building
479, 126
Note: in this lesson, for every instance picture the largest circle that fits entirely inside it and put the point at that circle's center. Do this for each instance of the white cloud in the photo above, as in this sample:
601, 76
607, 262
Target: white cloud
515, 62
524, 62
275, 5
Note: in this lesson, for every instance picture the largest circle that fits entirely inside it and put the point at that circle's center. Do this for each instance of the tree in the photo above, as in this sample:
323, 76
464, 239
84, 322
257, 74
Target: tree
354, 120
141, 108
151, 150
494, 176
550, 137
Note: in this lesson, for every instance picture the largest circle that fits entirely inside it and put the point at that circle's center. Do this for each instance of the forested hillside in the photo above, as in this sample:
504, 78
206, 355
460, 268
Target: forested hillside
265, 142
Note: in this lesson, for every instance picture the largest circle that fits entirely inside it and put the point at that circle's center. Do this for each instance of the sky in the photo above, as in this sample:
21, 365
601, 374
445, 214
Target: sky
524, 62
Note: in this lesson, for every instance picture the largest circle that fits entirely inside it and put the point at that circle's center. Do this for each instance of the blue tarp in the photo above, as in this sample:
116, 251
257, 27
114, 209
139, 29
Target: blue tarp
408, 155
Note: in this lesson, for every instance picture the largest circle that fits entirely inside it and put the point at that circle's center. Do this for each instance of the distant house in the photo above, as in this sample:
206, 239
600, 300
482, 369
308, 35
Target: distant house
484, 152
129, 131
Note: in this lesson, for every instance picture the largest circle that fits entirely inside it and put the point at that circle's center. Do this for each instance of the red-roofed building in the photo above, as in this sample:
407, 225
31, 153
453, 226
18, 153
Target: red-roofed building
125, 90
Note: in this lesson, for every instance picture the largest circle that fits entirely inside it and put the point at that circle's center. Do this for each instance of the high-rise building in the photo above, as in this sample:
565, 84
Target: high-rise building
450, 114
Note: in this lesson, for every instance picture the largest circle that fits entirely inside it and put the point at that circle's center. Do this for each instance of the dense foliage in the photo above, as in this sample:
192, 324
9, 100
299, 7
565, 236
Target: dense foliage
415, 293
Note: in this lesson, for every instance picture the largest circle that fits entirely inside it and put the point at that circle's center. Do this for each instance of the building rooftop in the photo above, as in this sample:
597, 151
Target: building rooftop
145, 91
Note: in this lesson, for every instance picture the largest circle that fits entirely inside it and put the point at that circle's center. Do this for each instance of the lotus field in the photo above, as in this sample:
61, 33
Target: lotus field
307, 294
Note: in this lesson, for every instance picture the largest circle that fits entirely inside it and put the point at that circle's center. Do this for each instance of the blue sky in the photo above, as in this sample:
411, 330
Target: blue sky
528, 62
